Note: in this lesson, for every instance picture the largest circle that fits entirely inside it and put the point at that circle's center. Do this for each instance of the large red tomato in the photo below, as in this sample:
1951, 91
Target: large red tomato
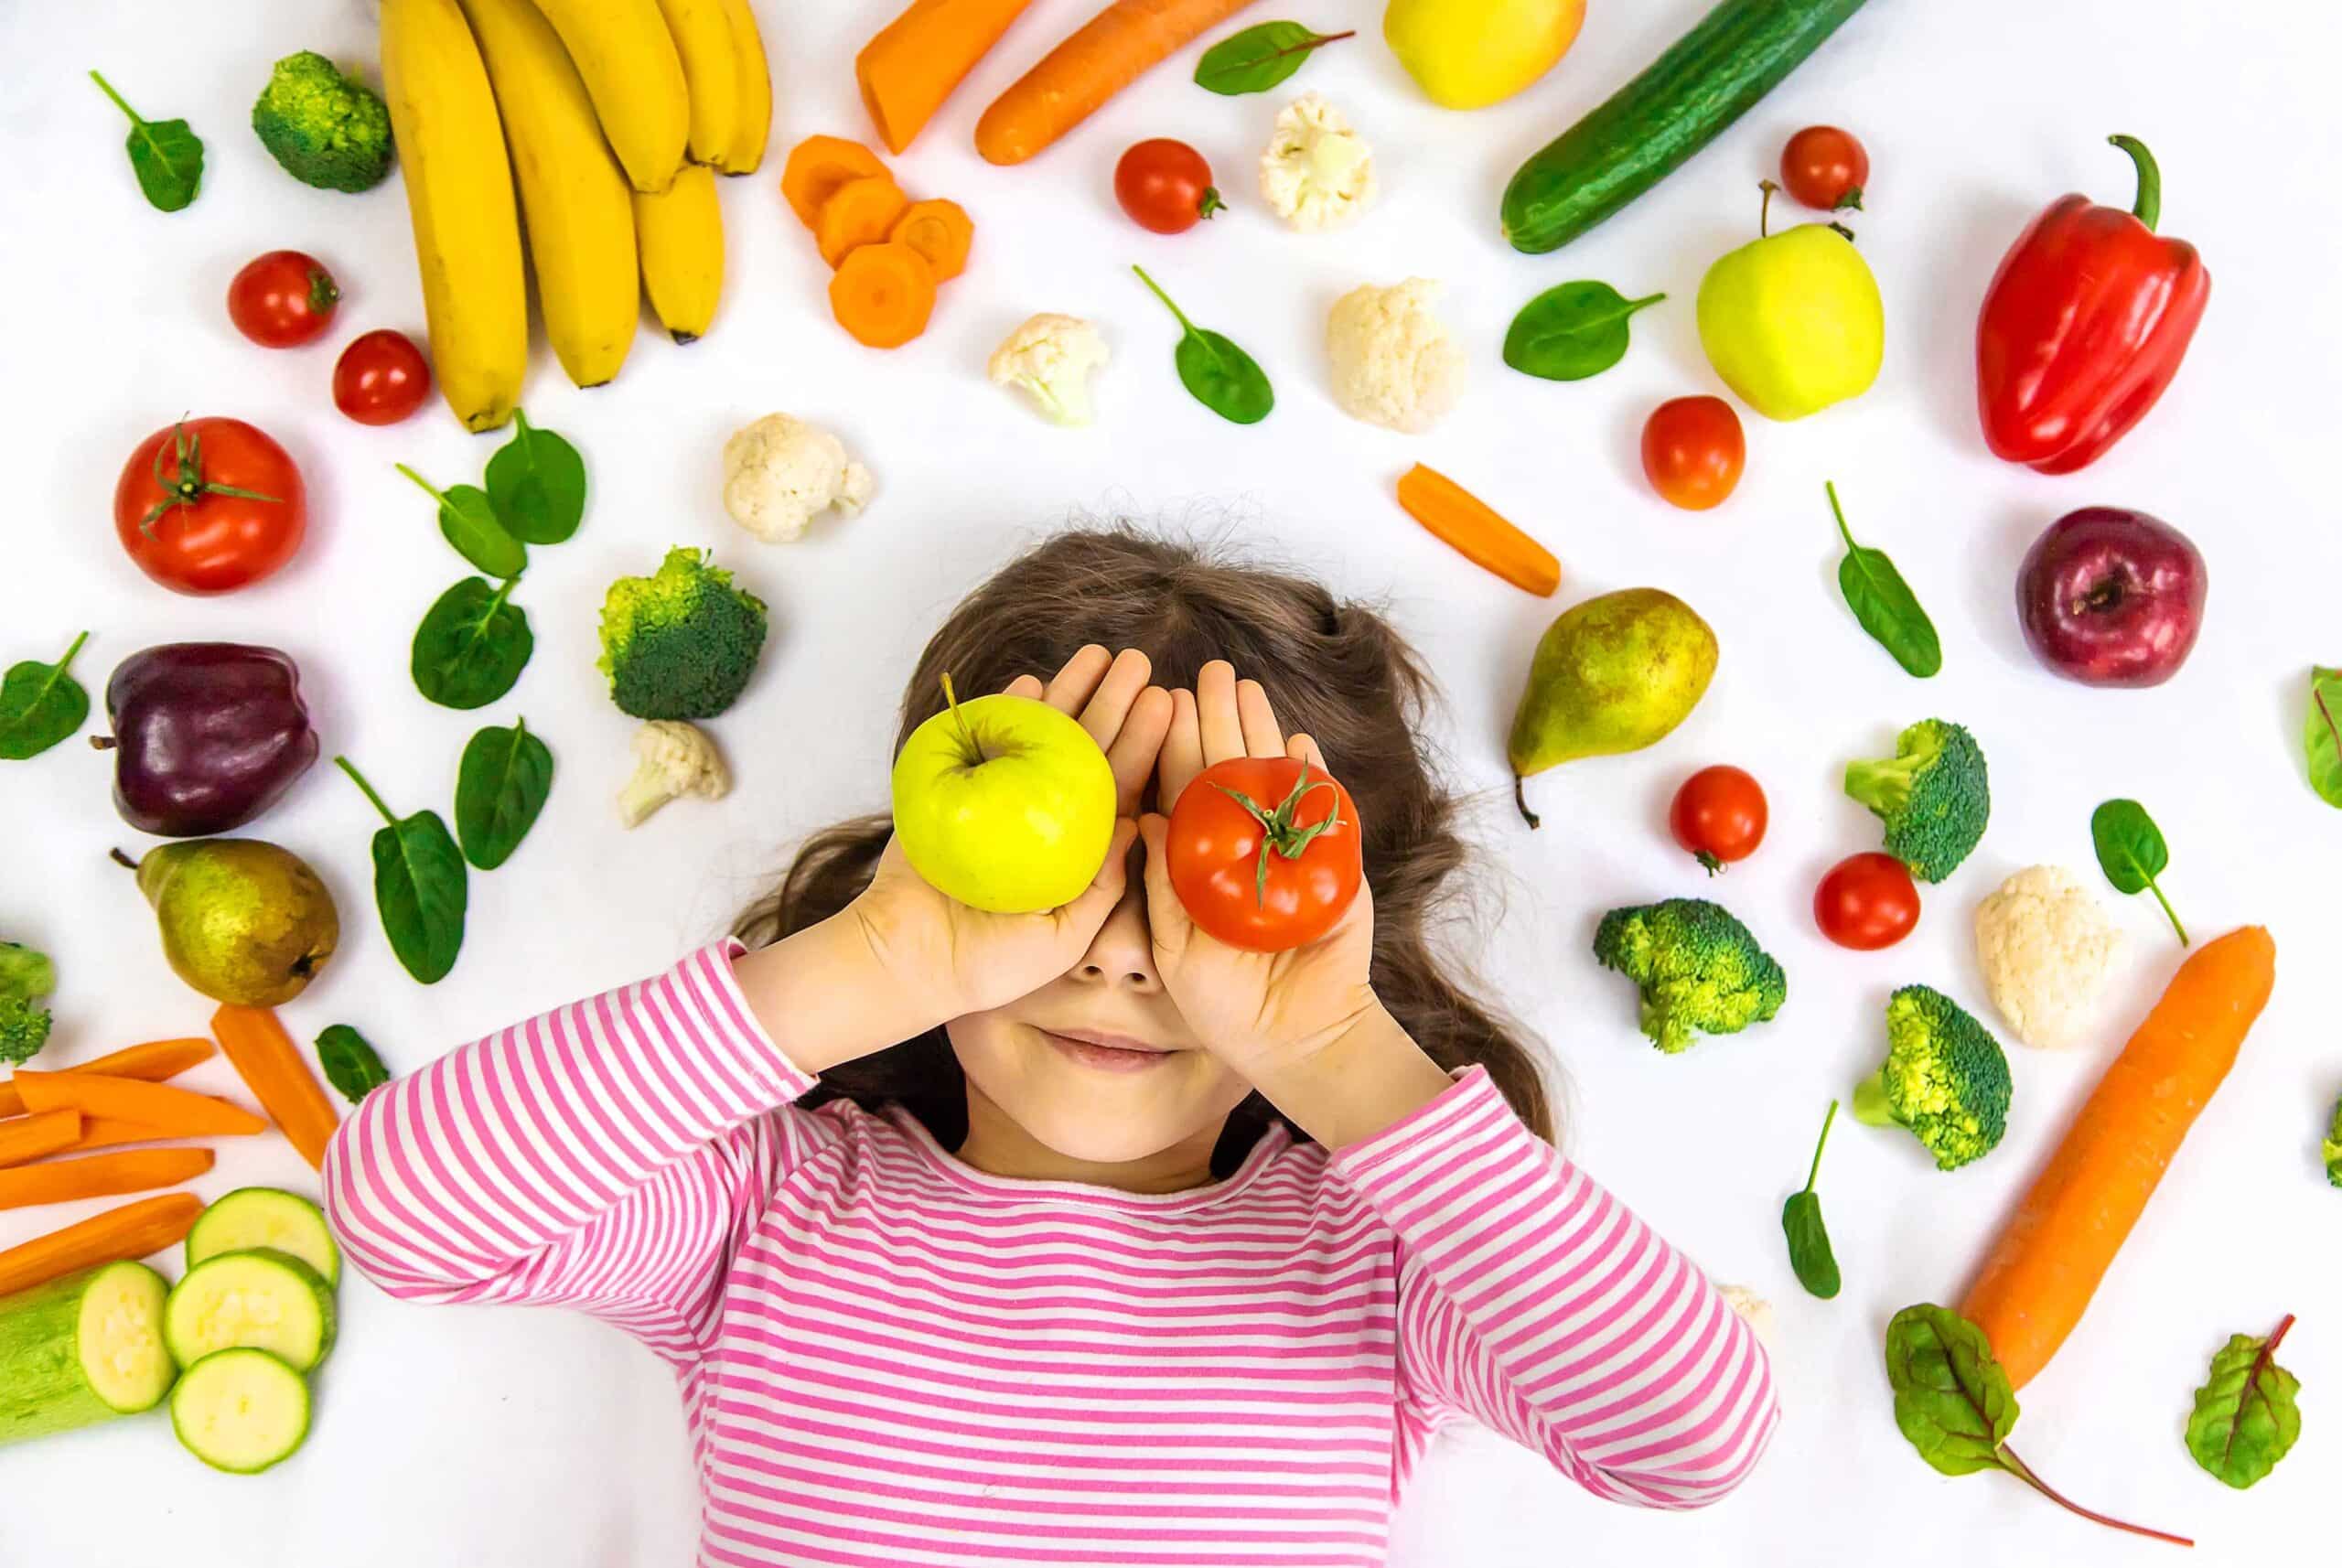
1866, 902
208, 506
1264, 852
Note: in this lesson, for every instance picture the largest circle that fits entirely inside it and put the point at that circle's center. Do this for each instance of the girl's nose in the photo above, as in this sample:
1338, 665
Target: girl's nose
1122, 952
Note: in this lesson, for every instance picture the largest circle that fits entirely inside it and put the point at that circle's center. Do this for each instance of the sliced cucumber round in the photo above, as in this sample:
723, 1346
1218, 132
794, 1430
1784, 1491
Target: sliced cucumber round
257, 1299
265, 1216
241, 1410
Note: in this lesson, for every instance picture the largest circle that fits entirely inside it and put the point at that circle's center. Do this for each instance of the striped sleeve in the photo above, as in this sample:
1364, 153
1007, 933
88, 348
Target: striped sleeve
1533, 1301
608, 1155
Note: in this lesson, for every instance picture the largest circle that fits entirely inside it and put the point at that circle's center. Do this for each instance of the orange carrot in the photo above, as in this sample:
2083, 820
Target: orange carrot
265, 1057
859, 212
817, 166
1464, 521
912, 66
1080, 74
2053, 1250
883, 295
100, 1176
30, 1137
941, 231
133, 1230
154, 1061
172, 1113
107, 1132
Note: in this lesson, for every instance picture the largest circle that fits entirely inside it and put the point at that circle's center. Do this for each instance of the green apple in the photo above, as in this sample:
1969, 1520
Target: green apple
1004, 803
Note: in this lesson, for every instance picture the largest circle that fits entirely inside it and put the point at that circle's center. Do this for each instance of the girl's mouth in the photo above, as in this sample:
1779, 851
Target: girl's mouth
1107, 1053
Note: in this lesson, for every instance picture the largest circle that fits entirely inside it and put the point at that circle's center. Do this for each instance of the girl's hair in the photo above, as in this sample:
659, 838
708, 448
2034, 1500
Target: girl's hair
1335, 671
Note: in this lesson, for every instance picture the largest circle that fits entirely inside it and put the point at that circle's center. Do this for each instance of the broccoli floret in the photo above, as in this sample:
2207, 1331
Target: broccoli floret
23, 1028
327, 129
681, 644
1931, 794
1697, 967
24, 973
1944, 1077
2334, 1147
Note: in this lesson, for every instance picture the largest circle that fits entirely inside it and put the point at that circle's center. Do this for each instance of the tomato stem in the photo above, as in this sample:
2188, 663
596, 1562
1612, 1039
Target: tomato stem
1280, 832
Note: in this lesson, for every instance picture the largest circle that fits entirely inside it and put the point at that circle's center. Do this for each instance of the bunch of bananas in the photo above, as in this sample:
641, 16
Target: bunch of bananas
616, 115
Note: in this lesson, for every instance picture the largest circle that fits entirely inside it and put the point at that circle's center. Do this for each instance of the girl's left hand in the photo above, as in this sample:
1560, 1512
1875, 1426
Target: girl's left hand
1261, 1012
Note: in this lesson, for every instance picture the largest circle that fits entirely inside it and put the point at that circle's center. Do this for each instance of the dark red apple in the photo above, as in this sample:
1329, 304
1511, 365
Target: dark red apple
2111, 597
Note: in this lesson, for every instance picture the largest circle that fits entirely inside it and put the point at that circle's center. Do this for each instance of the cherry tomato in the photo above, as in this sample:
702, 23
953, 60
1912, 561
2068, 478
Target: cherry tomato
283, 299
208, 506
1249, 812
1166, 185
1866, 902
1693, 451
1825, 167
380, 378
1718, 816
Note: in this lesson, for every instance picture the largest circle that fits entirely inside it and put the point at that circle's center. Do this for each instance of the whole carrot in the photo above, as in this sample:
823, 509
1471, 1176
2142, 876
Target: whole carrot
173, 1113
265, 1058
1075, 79
100, 1176
154, 1061
133, 1231
2041, 1274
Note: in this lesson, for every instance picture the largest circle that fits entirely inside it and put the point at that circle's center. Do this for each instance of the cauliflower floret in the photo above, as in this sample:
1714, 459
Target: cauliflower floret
1752, 1309
2047, 951
780, 473
1394, 362
1051, 357
672, 760
1316, 172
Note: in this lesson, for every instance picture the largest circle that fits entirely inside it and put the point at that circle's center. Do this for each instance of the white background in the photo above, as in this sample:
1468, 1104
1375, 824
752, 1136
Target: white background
509, 1438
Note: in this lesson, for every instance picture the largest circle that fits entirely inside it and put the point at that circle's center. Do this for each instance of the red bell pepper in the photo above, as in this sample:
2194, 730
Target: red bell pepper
2084, 326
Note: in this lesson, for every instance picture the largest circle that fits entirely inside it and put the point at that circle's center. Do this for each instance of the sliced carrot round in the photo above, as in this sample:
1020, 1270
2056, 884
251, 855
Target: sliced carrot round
883, 295
941, 231
817, 166
859, 212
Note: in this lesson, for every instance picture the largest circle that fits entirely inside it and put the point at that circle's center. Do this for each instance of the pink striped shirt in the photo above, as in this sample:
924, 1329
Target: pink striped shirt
890, 1357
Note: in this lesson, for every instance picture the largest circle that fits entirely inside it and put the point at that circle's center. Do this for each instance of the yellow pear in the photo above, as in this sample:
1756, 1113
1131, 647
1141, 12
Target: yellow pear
1467, 54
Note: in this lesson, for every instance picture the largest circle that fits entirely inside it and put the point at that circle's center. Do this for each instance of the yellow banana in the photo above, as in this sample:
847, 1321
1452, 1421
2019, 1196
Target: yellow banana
459, 194
625, 56
681, 233
581, 223
754, 126
702, 33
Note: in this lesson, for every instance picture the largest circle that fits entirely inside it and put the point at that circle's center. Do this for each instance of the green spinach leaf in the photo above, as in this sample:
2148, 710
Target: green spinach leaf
350, 1064
420, 887
40, 704
1573, 331
1811, 1257
1884, 603
472, 645
2131, 853
1216, 373
500, 786
469, 521
536, 483
2322, 736
166, 154
2247, 1413
1259, 58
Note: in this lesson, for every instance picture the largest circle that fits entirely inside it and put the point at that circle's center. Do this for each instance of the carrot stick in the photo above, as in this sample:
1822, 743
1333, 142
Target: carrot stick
100, 1176
817, 166
172, 1113
106, 1131
941, 231
1464, 521
133, 1231
859, 212
154, 1061
912, 66
2052, 1251
265, 1058
30, 1137
1080, 74
883, 295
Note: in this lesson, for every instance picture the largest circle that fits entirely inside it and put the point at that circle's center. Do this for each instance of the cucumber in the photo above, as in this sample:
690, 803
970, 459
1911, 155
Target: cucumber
257, 1299
1636, 138
266, 1216
241, 1410
81, 1350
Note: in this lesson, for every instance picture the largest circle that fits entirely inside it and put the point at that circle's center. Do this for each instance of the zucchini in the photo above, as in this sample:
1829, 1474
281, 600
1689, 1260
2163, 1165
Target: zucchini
266, 1216
81, 1350
1636, 138
241, 1410
259, 1300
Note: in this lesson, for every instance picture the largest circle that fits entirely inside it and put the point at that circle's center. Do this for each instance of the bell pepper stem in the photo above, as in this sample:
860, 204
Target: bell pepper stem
2148, 207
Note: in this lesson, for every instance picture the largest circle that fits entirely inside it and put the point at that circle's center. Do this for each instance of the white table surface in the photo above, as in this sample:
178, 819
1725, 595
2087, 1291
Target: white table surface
511, 1438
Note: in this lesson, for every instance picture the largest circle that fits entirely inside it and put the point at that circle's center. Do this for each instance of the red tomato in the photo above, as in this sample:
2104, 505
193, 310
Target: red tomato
1166, 185
1693, 451
208, 506
1866, 902
1825, 167
380, 378
1718, 816
283, 299
1254, 812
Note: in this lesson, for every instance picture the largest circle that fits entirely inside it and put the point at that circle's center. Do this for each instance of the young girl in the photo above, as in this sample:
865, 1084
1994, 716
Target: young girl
1076, 1238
